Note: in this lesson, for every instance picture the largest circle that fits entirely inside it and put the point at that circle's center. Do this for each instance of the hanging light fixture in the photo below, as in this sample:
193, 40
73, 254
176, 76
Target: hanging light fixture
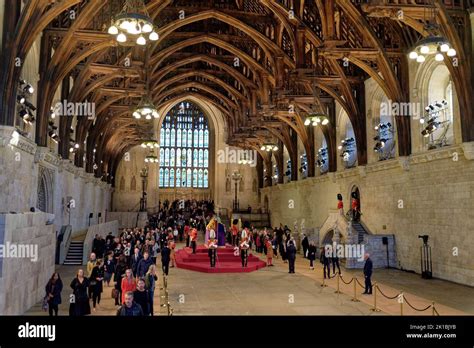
145, 107
151, 158
432, 45
133, 25
315, 118
269, 147
151, 144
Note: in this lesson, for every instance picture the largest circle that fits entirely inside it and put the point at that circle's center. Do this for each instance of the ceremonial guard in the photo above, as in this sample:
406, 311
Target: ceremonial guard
212, 246
193, 239
244, 246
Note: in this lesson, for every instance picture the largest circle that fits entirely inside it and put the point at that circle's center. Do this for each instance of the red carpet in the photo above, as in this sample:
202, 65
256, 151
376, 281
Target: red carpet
226, 262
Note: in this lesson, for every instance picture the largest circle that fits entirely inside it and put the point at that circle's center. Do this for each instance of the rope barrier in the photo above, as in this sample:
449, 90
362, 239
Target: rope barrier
347, 283
416, 309
354, 299
389, 297
357, 280
375, 309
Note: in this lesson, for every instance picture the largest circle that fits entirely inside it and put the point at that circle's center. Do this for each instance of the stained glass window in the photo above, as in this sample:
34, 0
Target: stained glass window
184, 152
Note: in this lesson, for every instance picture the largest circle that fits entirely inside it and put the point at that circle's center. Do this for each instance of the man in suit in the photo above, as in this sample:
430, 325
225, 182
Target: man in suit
368, 274
134, 260
324, 259
291, 254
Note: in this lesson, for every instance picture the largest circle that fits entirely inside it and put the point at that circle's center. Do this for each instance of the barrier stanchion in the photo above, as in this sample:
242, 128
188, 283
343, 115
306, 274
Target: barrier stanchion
401, 299
375, 309
354, 299
323, 285
338, 280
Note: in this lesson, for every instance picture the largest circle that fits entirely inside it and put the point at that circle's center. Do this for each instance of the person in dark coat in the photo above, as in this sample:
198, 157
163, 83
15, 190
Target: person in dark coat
291, 254
109, 268
79, 305
305, 245
311, 255
165, 258
335, 263
130, 308
143, 265
324, 259
142, 297
120, 269
134, 260
53, 291
368, 274
96, 283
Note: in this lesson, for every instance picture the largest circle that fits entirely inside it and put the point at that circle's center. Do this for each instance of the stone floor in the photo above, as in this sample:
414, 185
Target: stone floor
272, 291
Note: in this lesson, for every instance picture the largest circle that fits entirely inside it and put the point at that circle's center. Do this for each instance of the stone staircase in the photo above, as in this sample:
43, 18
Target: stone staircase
75, 253
360, 230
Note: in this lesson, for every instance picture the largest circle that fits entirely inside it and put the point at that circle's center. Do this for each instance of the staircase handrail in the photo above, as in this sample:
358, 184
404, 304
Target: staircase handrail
66, 232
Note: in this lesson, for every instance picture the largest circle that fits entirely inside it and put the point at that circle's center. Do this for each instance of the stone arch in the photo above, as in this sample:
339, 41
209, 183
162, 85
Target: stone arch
355, 187
430, 82
45, 190
345, 129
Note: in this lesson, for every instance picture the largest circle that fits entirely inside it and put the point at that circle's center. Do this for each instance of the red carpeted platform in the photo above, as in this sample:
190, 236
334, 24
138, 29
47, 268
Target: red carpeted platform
226, 262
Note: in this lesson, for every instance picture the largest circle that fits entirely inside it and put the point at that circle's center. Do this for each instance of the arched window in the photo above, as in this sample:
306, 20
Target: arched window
185, 144
133, 184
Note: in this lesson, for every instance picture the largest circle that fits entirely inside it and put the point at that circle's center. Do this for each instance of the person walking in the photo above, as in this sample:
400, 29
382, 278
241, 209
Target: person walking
128, 283
311, 255
165, 258
305, 245
79, 304
109, 268
150, 283
96, 283
53, 292
142, 297
324, 259
118, 275
291, 254
143, 265
129, 308
335, 263
368, 266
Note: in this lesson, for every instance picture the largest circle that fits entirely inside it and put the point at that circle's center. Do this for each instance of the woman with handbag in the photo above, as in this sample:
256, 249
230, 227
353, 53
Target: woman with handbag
96, 283
52, 299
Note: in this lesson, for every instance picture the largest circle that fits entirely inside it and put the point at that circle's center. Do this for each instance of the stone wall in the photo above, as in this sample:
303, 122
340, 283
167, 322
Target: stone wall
24, 166
429, 193
128, 219
22, 280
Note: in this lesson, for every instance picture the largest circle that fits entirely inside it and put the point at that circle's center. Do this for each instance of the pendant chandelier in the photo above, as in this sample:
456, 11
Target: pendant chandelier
433, 44
151, 144
151, 158
133, 25
145, 107
269, 147
315, 118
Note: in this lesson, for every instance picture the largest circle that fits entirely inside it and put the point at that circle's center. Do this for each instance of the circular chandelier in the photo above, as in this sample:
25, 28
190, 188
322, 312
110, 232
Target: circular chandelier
145, 109
269, 147
151, 158
315, 119
133, 25
432, 45
150, 144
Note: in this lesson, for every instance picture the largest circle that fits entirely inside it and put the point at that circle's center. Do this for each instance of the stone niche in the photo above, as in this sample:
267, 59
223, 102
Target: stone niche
23, 279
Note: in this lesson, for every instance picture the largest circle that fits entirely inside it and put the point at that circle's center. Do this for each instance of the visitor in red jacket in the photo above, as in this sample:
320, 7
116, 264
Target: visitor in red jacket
128, 283
193, 238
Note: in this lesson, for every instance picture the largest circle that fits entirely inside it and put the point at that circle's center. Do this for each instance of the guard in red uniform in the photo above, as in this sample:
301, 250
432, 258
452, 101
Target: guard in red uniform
193, 238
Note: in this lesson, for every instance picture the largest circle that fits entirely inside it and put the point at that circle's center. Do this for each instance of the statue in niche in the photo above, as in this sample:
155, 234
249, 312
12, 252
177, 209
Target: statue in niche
227, 184
133, 184
241, 185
